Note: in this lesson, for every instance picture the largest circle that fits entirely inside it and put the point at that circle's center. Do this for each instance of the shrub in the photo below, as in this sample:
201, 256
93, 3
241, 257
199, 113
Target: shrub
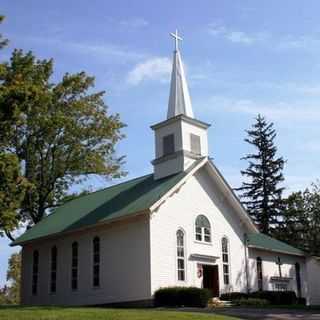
232, 296
276, 297
181, 296
251, 302
302, 301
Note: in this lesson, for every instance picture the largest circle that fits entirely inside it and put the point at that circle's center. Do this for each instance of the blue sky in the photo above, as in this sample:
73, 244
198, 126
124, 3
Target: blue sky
242, 58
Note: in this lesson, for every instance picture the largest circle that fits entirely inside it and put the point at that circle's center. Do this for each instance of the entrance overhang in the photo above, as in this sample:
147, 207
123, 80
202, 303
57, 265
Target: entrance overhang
203, 258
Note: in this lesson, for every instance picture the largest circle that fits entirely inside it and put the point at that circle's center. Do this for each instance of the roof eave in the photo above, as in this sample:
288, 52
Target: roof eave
182, 117
100, 223
237, 202
277, 251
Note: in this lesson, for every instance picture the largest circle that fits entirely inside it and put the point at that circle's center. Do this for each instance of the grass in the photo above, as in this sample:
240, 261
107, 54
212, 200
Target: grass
57, 313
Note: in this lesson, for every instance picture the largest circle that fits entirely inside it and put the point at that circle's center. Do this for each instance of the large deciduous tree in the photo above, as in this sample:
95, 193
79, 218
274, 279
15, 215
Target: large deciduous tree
13, 185
14, 278
10, 293
261, 192
59, 132
3, 41
13, 188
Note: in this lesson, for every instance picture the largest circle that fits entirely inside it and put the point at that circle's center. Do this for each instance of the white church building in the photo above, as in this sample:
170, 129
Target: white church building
181, 225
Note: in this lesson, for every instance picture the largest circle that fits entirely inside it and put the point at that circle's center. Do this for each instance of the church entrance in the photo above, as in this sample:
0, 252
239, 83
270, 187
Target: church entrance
211, 279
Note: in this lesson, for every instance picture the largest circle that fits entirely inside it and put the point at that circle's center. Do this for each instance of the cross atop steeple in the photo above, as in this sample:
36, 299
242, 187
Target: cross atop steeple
176, 39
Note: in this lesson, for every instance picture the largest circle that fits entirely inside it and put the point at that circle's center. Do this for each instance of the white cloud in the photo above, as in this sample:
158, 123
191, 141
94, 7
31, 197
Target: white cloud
105, 51
311, 146
156, 68
240, 37
281, 111
280, 42
305, 42
216, 30
236, 36
294, 183
312, 90
134, 23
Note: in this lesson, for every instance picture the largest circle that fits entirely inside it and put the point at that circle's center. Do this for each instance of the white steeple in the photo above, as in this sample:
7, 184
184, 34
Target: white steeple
179, 99
180, 140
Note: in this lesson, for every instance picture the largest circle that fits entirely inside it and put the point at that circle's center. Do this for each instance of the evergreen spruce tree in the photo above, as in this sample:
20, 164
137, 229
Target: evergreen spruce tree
261, 193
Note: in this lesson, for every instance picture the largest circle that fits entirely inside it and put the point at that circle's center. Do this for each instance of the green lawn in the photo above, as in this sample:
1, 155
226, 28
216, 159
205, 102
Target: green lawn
55, 313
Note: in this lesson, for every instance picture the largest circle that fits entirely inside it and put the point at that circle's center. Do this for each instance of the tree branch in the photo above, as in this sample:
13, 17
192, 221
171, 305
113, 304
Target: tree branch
9, 235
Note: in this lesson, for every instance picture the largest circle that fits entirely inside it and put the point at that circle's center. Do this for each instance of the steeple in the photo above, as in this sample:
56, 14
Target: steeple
180, 139
179, 99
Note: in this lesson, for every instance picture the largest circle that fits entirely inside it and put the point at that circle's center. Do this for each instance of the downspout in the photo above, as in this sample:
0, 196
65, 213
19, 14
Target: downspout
246, 261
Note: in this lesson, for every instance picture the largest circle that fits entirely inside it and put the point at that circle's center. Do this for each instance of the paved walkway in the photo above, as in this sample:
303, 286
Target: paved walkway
269, 314
261, 314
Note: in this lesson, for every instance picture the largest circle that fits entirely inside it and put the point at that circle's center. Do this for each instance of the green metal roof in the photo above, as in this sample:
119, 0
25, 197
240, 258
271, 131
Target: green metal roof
114, 202
264, 242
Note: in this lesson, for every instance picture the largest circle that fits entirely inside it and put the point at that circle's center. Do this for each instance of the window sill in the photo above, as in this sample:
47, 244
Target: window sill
182, 281
203, 242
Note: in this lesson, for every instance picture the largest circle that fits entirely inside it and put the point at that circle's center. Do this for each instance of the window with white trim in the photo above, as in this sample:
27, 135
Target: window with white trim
225, 260
259, 274
203, 229
181, 266
96, 262
35, 272
74, 267
298, 279
53, 275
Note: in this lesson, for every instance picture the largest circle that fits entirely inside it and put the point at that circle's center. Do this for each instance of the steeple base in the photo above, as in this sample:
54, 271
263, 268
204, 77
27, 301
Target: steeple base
174, 163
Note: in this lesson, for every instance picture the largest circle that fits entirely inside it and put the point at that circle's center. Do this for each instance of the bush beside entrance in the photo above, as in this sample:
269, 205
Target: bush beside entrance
181, 297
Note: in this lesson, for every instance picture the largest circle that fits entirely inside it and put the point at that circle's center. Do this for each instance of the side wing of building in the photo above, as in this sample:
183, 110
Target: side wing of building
277, 271
119, 259
313, 277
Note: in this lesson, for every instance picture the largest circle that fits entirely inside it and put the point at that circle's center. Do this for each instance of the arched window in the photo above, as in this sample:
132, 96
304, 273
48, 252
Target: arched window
74, 266
35, 272
53, 275
298, 279
259, 274
181, 256
96, 262
225, 260
203, 229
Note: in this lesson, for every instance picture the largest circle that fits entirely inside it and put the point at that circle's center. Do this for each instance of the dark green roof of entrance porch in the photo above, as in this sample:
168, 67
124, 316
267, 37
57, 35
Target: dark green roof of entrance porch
264, 242
114, 202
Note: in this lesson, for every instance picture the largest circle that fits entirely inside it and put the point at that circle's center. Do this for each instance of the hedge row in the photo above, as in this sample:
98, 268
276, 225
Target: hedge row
181, 296
274, 297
